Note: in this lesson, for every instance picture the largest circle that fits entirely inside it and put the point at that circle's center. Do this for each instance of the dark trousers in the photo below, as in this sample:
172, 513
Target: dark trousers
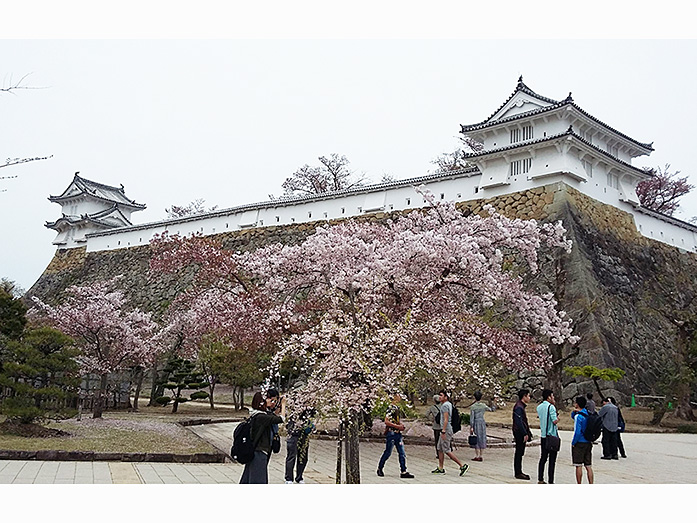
257, 470
609, 443
297, 450
620, 446
394, 439
519, 452
544, 454
436, 436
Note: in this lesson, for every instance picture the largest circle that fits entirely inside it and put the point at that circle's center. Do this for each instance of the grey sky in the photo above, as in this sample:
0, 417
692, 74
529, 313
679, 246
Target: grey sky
228, 120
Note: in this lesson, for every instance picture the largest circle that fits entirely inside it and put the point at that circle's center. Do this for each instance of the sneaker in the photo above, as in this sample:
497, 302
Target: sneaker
542, 482
438, 471
522, 476
381, 473
605, 457
624, 455
406, 475
301, 482
463, 469
289, 482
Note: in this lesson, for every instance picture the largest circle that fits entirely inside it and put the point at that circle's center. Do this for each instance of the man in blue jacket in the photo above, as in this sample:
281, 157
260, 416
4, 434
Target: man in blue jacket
581, 448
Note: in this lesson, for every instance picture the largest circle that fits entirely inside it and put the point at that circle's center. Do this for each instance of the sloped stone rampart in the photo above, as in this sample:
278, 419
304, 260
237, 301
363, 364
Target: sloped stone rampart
612, 281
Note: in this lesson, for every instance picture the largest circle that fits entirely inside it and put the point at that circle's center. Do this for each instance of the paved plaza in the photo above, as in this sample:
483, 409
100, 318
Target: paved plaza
653, 458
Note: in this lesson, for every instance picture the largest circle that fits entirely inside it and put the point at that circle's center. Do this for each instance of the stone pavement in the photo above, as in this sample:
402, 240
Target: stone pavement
653, 458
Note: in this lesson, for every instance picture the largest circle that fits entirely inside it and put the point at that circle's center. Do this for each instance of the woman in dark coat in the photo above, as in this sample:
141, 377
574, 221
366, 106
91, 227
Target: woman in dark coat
265, 415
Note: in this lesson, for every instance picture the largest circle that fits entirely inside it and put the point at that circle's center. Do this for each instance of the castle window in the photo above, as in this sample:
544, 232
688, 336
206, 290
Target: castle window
261, 222
527, 132
520, 166
613, 181
408, 201
325, 214
343, 210
278, 219
442, 196
309, 214
515, 135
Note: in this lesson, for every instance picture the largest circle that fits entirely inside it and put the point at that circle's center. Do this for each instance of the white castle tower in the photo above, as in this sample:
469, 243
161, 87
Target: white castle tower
532, 138
87, 207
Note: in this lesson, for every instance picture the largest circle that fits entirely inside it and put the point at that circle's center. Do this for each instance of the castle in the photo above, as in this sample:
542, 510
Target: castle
530, 141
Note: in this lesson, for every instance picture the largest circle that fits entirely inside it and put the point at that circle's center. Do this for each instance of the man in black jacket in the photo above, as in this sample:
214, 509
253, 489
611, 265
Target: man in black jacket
521, 432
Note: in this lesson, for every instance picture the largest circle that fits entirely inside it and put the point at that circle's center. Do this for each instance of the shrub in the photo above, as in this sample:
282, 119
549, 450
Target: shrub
687, 429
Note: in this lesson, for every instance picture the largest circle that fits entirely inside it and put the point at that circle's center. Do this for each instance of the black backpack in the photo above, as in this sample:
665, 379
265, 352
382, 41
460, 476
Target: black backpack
455, 421
243, 447
594, 426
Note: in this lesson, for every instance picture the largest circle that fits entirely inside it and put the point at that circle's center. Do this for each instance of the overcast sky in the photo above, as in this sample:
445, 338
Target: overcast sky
229, 120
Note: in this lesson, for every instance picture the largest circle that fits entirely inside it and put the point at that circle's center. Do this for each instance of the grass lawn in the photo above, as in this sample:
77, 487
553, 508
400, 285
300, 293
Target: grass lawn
152, 429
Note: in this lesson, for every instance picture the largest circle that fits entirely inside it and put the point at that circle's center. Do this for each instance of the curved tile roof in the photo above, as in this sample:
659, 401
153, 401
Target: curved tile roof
100, 191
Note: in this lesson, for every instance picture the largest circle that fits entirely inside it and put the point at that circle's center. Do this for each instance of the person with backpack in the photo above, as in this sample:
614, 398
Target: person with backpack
609, 413
393, 438
547, 412
264, 414
581, 448
298, 444
434, 413
521, 433
450, 423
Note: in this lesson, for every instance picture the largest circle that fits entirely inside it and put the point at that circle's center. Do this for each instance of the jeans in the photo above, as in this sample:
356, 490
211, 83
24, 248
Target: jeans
544, 454
394, 439
519, 452
297, 449
609, 443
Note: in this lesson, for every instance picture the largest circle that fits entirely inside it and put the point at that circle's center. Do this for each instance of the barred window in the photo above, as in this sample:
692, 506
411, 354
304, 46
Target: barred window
527, 132
588, 167
520, 166
515, 135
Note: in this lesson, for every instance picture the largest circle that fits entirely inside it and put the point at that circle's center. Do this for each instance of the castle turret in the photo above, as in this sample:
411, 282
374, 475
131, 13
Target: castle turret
530, 137
87, 207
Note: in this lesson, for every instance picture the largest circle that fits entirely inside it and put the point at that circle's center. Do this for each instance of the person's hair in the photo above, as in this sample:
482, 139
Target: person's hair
612, 400
258, 401
581, 401
522, 393
272, 393
445, 393
546, 393
589, 395
436, 398
478, 395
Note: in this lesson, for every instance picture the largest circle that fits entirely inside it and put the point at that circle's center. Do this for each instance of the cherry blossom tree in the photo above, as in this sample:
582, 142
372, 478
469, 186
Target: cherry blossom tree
110, 338
663, 190
361, 307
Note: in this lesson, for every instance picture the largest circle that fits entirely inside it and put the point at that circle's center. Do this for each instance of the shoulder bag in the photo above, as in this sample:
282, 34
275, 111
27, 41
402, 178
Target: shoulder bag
553, 442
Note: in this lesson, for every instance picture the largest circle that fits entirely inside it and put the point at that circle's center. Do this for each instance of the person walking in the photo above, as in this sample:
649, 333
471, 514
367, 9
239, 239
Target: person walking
622, 426
609, 414
547, 412
393, 438
521, 433
478, 424
434, 413
581, 448
445, 441
265, 413
298, 445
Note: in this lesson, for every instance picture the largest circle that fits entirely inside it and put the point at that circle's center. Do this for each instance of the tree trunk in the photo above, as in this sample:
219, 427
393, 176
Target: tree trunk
153, 387
353, 463
241, 398
597, 387
211, 387
236, 397
99, 399
339, 441
140, 374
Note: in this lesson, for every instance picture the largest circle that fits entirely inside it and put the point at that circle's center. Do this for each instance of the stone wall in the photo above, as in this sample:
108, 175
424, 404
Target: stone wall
610, 282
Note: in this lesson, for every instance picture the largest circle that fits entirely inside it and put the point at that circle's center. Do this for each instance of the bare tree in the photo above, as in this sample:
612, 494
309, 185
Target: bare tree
332, 174
457, 159
195, 207
10, 87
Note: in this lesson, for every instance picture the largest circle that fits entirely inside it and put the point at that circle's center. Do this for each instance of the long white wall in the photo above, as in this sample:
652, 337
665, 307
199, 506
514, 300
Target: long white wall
389, 197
